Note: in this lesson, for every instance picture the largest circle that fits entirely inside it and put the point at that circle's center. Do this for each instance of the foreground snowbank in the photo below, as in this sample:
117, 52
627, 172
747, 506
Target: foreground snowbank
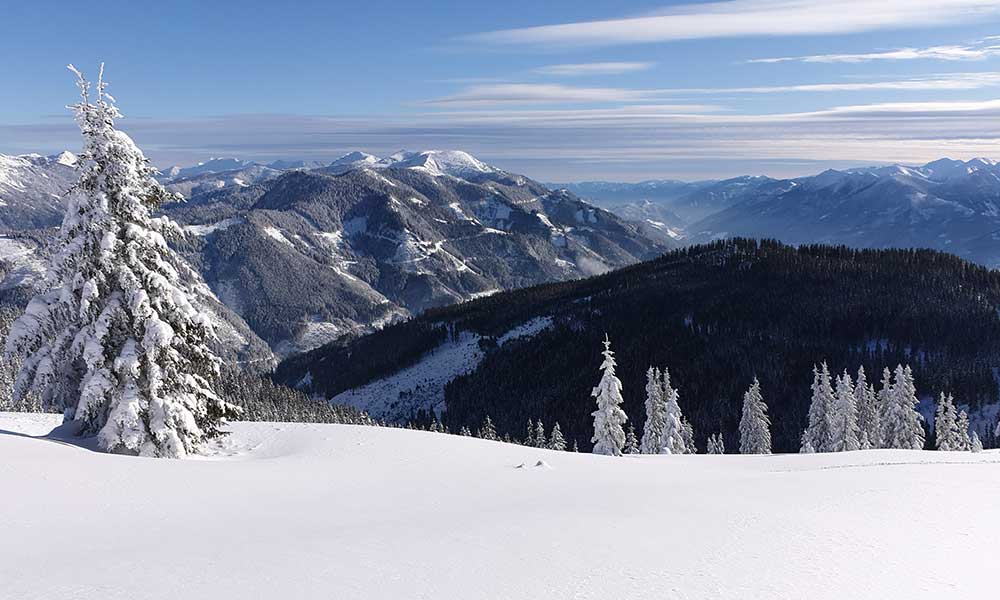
334, 511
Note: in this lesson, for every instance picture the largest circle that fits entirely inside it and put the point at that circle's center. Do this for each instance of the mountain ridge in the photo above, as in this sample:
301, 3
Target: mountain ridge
308, 255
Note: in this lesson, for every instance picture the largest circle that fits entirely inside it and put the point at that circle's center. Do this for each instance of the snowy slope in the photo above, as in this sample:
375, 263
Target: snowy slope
32, 189
397, 397
330, 511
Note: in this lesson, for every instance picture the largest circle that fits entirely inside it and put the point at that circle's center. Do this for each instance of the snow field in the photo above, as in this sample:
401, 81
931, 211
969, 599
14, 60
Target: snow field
333, 511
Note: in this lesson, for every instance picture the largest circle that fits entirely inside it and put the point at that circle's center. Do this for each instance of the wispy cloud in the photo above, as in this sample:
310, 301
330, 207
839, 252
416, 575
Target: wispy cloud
741, 18
596, 68
560, 94
949, 81
539, 93
948, 53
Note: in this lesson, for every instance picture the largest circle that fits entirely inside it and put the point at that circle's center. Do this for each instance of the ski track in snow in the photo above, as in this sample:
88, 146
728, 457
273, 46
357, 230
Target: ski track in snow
309, 511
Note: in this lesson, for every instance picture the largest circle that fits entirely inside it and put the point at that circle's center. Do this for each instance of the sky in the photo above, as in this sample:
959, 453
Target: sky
558, 90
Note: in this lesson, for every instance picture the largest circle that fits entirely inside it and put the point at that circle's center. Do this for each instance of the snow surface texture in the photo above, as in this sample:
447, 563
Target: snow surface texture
332, 511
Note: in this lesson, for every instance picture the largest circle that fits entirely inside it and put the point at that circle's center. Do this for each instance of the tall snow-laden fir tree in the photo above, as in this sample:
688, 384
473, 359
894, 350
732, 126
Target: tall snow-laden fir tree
652, 429
844, 432
755, 432
869, 428
902, 425
609, 418
715, 444
673, 423
114, 340
975, 444
817, 436
946, 435
962, 425
557, 441
885, 405
631, 441
529, 435
539, 435
489, 431
687, 432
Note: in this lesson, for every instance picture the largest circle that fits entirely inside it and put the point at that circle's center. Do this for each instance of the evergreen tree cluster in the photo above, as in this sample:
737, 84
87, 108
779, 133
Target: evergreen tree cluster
666, 431
535, 432
845, 415
261, 399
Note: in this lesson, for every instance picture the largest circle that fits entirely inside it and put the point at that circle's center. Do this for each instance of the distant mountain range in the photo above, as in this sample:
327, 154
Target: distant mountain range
304, 252
304, 256
219, 173
948, 205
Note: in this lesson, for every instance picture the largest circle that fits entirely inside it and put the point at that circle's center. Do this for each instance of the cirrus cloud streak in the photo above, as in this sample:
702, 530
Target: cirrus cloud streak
746, 18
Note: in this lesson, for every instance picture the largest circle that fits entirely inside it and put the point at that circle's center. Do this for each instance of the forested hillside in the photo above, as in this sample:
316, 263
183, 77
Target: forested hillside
717, 315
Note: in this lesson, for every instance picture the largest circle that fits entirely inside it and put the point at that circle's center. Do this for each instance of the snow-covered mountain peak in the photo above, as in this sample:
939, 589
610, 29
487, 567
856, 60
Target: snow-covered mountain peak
356, 158
445, 162
212, 165
67, 158
946, 169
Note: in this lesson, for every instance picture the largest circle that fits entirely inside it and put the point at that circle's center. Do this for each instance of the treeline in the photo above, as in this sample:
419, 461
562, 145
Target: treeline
725, 313
261, 399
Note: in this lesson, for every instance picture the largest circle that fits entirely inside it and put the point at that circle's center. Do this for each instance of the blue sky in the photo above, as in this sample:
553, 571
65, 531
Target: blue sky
556, 90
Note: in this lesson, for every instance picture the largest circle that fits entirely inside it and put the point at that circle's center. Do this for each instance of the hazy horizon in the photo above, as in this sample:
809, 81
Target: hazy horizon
564, 91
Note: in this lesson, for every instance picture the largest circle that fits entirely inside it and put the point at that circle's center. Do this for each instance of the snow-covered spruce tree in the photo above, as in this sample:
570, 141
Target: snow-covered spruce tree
945, 426
844, 434
631, 441
673, 421
962, 425
975, 444
529, 435
884, 403
869, 427
902, 424
817, 435
687, 432
557, 441
114, 341
609, 418
488, 430
715, 444
755, 432
539, 435
465, 431
656, 414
